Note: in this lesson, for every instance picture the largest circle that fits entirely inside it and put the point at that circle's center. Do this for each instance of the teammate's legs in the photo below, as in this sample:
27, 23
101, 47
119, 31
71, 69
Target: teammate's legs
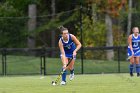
131, 66
137, 66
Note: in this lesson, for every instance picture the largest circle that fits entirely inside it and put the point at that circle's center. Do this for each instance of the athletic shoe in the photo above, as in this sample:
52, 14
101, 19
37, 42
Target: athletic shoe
131, 74
62, 83
138, 74
71, 76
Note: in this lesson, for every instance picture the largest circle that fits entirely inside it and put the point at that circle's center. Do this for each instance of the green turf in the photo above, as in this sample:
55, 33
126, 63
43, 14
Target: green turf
97, 83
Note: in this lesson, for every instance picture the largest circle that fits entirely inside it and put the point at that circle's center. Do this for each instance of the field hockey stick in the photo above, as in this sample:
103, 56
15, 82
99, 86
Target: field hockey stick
133, 55
59, 76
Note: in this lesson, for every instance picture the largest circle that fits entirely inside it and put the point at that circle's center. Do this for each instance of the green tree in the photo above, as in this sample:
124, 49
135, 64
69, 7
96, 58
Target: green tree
14, 21
110, 9
11, 30
93, 32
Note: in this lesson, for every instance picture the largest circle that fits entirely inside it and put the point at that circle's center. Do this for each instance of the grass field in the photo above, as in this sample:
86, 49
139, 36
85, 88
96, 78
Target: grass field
95, 83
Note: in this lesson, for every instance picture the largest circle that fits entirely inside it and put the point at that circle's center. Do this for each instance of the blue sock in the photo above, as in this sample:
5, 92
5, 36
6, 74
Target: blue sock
137, 68
131, 68
72, 71
64, 75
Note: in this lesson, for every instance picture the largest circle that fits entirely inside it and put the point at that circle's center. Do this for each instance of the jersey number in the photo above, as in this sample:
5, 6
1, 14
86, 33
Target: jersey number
135, 44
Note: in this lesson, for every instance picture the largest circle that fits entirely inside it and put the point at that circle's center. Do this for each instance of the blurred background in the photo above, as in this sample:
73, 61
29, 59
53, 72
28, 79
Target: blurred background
29, 34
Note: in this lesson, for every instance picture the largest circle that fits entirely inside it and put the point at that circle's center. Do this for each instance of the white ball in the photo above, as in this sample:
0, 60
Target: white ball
53, 84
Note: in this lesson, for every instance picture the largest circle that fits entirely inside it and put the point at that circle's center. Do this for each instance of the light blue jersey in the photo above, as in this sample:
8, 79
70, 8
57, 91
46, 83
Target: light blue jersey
69, 46
135, 46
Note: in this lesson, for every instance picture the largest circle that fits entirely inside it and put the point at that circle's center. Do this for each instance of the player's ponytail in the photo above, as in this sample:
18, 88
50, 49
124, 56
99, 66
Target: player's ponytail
61, 28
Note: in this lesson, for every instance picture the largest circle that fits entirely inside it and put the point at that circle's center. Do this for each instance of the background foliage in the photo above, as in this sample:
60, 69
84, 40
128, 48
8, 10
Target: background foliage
14, 19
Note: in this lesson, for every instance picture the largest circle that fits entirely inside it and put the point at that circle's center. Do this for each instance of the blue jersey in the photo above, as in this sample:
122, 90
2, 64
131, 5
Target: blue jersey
69, 46
135, 46
135, 42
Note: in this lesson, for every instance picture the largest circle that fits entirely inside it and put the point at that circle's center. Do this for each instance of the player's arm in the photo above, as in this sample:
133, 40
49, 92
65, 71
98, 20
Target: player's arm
130, 43
78, 44
62, 53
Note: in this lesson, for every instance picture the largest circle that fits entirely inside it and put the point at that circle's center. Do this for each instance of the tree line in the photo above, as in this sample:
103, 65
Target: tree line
104, 22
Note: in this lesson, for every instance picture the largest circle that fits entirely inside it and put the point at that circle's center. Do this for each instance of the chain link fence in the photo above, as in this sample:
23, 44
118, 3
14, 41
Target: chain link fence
38, 61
